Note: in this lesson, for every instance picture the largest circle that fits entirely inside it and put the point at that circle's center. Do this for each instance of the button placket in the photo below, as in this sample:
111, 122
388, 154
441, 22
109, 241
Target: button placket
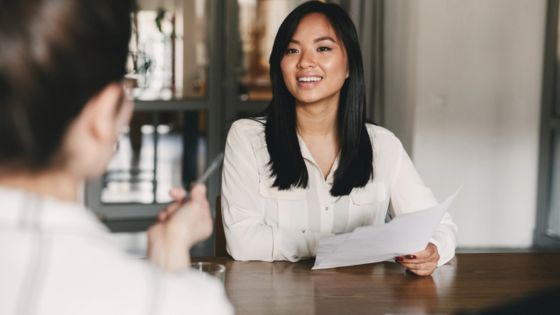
327, 207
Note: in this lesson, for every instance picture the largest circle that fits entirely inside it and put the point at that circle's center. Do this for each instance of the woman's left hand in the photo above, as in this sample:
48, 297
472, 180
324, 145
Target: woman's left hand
422, 263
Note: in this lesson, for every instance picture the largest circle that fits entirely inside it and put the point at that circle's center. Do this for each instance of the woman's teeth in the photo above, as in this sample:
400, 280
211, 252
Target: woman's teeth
309, 79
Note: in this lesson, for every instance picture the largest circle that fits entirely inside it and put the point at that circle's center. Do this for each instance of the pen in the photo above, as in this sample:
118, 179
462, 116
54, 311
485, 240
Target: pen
211, 169
216, 162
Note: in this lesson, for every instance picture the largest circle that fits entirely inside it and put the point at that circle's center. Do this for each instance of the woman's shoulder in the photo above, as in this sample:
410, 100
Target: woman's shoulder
248, 125
383, 139
386, 145
376, 131
248, 131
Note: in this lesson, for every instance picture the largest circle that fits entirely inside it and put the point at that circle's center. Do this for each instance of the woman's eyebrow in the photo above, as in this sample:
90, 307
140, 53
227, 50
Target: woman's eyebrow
322, 38
318, 39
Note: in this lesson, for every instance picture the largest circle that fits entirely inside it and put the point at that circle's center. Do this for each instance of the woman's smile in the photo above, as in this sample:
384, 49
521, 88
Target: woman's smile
309, 81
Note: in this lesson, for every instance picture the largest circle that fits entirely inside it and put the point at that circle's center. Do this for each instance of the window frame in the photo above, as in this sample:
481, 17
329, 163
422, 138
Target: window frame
550, 123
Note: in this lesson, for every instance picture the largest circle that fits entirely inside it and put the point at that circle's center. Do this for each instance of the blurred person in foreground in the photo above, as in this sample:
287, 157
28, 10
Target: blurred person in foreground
62, 107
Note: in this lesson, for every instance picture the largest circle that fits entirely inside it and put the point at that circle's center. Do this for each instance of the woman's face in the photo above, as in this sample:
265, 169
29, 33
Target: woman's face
315, 65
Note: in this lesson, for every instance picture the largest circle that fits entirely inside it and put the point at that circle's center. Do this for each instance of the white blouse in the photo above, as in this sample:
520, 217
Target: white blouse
58, 259
264, 223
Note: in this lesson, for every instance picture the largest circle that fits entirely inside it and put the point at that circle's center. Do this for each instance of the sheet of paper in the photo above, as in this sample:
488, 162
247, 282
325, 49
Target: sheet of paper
405, 234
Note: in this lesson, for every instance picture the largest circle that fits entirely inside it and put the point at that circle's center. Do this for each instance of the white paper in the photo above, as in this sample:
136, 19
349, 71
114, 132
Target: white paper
405, 234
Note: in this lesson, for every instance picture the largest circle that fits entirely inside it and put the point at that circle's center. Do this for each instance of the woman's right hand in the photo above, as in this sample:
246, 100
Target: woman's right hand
180, 226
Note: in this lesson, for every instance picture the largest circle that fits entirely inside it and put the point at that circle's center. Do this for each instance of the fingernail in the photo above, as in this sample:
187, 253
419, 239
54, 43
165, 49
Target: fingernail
411, 256
399, 259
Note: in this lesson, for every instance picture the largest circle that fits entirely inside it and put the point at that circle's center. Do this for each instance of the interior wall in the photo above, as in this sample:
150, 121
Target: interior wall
463, 84
400, 48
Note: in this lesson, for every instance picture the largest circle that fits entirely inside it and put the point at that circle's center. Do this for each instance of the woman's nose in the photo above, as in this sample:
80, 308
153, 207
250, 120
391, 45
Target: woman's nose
306, 60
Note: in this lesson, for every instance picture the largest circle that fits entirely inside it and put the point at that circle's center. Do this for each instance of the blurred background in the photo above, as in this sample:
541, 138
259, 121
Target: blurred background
470, 88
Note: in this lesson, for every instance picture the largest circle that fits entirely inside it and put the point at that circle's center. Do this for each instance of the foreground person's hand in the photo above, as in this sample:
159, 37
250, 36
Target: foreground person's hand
422, 263
180, 226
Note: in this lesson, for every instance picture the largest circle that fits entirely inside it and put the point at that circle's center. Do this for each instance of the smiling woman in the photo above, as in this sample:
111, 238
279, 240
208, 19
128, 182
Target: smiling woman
311, 166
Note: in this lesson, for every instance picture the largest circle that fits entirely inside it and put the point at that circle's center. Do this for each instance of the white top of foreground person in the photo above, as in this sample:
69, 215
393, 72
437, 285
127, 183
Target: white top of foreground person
62, 108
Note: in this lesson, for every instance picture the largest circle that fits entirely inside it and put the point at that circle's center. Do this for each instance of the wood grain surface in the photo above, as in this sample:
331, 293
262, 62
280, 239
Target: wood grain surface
469, 282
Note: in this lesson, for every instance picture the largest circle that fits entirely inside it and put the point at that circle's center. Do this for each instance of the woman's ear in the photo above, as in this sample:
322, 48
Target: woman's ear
91, 138
90, 142
104, 114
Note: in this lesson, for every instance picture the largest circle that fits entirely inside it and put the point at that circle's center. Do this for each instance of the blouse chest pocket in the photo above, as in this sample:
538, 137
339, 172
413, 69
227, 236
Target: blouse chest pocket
368, 205
286, 208
283, 208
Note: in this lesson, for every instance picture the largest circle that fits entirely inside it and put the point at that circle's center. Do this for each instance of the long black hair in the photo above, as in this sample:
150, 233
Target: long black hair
54, 56
355, 167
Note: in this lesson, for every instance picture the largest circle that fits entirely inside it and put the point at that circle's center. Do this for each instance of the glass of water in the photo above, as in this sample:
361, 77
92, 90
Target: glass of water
210, 269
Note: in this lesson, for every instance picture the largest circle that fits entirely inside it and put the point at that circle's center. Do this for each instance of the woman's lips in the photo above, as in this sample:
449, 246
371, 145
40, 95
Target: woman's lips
309, 80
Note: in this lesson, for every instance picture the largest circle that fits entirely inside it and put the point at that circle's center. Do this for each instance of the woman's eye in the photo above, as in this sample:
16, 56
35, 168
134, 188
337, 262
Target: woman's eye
290, 51
324, 49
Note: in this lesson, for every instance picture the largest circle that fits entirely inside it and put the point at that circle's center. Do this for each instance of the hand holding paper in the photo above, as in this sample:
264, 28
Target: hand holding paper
405, 234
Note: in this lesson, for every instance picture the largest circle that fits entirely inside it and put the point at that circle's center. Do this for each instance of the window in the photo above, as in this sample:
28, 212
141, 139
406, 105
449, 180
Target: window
152, 159
169, 49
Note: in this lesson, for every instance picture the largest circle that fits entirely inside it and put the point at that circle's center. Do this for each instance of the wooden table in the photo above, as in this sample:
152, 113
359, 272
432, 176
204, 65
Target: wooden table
470, 281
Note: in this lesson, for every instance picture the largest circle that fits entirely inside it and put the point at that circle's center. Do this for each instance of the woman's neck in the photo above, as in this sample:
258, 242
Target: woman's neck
56, 184
316, 119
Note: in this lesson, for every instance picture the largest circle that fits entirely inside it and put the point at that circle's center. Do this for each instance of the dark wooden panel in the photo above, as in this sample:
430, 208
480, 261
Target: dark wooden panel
220, 237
